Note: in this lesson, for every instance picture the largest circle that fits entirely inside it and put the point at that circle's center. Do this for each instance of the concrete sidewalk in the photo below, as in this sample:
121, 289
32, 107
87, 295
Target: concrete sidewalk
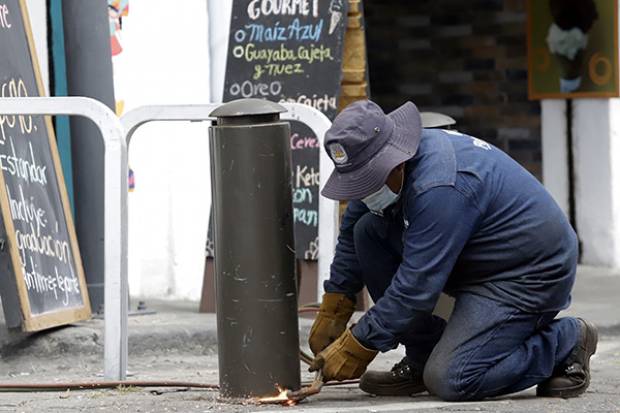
178, 343
178, 326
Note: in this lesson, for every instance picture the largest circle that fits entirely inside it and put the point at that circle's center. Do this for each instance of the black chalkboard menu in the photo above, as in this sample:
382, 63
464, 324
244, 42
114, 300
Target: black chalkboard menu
41, 277
291, 51
304, 151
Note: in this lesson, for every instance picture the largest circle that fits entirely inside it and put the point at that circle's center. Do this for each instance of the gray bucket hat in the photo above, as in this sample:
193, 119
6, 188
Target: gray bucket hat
365, 145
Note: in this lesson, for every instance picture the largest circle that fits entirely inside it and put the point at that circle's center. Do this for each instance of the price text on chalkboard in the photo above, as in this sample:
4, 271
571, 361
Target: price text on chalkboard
291, 51
41, 279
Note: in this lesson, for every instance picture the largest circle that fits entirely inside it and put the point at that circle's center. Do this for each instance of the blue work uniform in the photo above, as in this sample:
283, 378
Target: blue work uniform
475, 224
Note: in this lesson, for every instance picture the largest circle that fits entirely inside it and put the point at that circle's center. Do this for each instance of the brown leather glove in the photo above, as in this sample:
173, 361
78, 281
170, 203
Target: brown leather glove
334, 314
344, 359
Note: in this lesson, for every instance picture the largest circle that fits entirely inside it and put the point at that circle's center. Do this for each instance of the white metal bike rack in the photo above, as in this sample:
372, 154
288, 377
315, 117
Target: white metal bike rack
319, 123
115, 215
116, 137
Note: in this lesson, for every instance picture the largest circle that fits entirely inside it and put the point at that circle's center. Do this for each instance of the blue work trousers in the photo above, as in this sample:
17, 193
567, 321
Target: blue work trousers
487, 348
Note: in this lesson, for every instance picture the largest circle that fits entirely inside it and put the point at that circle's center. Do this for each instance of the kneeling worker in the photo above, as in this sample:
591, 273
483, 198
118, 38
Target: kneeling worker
433, 210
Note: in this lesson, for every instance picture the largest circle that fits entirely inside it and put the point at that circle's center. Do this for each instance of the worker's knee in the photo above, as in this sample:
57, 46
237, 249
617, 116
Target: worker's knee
440, 380
444, 378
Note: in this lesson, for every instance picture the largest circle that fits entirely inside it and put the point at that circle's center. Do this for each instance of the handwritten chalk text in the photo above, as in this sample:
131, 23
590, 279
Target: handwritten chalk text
306, 177
4, 17
14, 88
304, 142
27, 169
25, 210
301, 195
259, 33
247, 89
310, 54
54, 283
323, 103
258, 8
305, 216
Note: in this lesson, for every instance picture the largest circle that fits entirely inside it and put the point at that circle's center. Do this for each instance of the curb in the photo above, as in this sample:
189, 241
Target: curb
157, 334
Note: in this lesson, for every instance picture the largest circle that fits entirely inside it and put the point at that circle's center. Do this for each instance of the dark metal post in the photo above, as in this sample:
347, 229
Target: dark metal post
89, 73
256, 290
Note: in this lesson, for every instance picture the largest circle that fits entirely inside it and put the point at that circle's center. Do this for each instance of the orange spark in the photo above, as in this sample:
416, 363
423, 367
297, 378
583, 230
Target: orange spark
281, 398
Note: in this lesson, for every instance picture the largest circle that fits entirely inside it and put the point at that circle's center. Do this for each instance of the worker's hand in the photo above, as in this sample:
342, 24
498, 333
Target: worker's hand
334, 314
344, 359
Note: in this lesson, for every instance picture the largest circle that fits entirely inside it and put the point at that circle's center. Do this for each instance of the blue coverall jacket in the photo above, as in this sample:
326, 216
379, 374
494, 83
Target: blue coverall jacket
475, 221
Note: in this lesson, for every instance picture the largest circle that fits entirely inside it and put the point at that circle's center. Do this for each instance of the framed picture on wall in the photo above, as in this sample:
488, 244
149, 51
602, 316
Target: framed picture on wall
572, 48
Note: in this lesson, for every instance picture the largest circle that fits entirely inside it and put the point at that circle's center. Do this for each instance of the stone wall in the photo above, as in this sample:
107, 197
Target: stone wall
467, 59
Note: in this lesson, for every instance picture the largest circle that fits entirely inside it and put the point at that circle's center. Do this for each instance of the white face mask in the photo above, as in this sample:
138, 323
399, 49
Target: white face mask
380, 200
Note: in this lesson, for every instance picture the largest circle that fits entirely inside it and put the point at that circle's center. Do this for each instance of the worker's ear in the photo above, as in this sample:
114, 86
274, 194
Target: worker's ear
399, 170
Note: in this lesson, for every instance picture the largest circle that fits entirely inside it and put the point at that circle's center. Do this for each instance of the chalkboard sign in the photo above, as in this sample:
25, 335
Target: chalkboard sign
291, 51
305, 149
41, 279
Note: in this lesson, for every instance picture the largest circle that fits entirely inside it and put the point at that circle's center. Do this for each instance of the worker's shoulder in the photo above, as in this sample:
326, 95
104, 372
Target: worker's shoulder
474, 156
450, 158
434, 163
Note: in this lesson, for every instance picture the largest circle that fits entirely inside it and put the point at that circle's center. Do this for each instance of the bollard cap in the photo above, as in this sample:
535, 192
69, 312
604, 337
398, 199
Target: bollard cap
247, 107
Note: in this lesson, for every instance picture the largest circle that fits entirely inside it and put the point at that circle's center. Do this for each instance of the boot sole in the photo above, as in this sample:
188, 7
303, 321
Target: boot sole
404, 389
569, 392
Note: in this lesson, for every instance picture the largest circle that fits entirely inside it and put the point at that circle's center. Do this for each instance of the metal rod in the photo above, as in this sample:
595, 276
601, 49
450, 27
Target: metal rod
572, 208
92, 385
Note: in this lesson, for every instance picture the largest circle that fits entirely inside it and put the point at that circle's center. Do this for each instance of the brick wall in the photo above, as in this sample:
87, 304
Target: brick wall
467, 59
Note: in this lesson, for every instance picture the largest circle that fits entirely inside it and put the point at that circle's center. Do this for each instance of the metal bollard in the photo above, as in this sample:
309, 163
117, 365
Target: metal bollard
255, 280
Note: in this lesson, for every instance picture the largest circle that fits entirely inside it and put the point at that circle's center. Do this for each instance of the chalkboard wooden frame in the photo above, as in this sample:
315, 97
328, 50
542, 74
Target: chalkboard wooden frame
29, 321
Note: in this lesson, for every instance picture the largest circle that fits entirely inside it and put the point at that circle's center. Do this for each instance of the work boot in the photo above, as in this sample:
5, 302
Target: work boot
572, 378
402, 380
